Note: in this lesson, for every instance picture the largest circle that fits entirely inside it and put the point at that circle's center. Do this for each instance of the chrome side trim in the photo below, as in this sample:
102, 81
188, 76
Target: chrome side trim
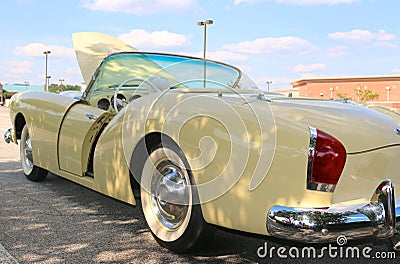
311, 152
315, 186
379, 218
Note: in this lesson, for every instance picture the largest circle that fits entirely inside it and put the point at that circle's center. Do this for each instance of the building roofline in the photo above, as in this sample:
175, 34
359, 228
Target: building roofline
287, 90
347, 79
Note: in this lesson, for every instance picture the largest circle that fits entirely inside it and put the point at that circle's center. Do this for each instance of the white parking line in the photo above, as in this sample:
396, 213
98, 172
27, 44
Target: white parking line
5, 257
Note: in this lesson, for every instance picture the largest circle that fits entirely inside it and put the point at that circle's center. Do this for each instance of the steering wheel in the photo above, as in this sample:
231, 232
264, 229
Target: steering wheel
120, 103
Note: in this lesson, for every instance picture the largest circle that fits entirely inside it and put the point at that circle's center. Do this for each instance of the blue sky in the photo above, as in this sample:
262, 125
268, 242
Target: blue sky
271, 40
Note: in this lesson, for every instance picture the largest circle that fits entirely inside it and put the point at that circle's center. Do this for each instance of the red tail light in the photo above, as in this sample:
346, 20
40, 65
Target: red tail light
326, 160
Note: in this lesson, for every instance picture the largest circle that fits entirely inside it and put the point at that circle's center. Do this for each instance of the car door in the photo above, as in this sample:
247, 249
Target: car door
79, 132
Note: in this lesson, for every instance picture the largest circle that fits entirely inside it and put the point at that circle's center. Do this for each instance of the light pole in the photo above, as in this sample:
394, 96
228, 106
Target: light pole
268, 83
26, 85
204, 24
48, 82
388, 93
61, 83
331, 89
46, 78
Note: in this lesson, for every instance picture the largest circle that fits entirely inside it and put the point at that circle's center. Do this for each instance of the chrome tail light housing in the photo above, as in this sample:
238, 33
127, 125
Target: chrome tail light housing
326, 160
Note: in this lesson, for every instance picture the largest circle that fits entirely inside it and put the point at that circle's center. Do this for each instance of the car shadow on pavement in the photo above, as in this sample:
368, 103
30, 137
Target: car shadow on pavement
58, 221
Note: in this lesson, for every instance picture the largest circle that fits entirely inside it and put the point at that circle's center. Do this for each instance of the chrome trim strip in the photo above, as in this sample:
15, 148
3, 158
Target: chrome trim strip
323, 187
311, 151
379, 218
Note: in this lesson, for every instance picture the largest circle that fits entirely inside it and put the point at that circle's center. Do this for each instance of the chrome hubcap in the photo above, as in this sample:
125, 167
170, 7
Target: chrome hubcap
27, 150
170, 195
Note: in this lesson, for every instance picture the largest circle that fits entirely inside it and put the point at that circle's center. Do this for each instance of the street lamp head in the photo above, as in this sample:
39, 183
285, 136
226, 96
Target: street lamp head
47, 52
207, 22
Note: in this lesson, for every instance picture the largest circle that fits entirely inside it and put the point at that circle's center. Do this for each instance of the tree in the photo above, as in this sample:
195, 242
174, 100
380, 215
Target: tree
6, 94
366, 95
343, 96
56, 88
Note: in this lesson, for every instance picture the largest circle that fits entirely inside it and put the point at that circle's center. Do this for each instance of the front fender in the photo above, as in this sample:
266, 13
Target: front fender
43, 113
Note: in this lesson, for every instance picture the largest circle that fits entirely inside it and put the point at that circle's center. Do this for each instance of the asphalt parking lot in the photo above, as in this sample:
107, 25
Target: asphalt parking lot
57, 221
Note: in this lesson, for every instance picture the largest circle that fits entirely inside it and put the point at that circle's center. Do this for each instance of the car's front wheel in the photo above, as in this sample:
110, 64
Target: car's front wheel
169, 201
31, 171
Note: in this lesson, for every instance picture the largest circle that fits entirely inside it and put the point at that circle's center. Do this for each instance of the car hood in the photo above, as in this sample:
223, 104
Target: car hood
92, 47
358, 128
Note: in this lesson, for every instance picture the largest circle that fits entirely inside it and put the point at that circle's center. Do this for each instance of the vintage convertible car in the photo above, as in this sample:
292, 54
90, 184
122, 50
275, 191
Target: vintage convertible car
200, 146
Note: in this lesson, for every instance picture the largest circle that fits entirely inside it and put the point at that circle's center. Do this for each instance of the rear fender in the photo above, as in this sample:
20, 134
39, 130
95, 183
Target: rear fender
364, 171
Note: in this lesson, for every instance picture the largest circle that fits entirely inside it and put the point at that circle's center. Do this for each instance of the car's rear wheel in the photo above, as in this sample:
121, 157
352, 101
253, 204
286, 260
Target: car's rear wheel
31, 171
169, 198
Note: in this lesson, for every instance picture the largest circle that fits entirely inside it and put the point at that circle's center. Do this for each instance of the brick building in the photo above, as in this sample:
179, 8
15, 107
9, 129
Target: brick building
387, 87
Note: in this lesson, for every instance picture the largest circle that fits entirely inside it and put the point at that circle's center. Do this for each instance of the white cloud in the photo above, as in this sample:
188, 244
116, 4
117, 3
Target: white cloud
37, 49
72, 70
385, 45
225, 56
383, 36
282, 45
338, 51
222, 56
247, 69
309, 75
144, 40
396, 70
354, 35
358, 35
18, 68
309, 68
301, 2
140, 7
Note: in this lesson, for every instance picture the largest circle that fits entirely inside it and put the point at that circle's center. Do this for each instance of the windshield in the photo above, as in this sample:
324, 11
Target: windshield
172, 71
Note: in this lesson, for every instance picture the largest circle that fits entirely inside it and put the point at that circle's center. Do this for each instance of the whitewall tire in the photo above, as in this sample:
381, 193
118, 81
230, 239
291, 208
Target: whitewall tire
168, 201
31, 171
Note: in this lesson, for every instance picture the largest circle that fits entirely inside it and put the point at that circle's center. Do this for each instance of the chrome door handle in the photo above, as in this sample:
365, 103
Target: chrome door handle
91, 117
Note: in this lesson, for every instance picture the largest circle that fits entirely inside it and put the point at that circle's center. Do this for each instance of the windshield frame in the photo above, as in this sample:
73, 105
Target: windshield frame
96, 74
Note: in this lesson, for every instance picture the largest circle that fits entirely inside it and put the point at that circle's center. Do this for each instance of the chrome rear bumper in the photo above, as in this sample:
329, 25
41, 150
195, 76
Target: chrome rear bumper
9, 136
380, 218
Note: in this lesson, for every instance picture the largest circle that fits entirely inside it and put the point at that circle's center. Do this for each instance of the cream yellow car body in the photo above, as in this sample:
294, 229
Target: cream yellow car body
111, 167
277, 129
